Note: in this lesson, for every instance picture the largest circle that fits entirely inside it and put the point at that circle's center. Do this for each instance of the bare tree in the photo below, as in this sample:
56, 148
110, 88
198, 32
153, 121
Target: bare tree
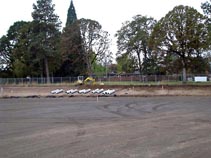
95, 42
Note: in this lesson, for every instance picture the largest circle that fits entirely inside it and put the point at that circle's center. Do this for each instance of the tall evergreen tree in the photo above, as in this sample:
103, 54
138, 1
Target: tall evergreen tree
72, 50
46, 33
71, 15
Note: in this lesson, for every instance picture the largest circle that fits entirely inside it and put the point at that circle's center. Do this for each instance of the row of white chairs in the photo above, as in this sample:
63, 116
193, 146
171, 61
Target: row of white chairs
85, 91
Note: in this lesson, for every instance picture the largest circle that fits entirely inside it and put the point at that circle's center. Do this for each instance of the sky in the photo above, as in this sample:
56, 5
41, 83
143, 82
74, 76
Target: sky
109, 13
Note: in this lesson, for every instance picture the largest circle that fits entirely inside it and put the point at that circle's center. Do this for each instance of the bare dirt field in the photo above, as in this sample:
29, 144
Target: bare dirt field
160, 90
106, 127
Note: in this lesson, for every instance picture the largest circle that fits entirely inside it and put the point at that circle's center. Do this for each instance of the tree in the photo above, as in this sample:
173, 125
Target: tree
207, 56
17, 48
95, 42
71, 15
133, 38
183, 33
168, 64
46, 33
22, 59
14, 47
98, 68
126, 63
207, 11
73, 61
5, 53
199, 65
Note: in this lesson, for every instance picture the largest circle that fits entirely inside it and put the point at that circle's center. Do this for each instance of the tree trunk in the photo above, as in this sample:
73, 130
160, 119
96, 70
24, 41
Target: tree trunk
47, 70
89, 69
139, 63
184, 75
89, 65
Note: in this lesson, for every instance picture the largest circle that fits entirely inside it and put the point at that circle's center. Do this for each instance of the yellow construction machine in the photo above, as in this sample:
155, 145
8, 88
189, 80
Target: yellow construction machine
87, 81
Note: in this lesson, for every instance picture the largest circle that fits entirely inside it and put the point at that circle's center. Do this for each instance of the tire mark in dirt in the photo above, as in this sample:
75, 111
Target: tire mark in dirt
107, 108
80, 127
134, 105
123, 110
157, 107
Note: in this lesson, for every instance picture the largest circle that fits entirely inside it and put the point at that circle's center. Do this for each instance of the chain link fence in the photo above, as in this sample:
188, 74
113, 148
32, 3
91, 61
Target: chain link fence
127, 79
37, 81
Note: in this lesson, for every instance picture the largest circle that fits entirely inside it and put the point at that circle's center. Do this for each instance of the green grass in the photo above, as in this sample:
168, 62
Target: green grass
117, 83
136, 83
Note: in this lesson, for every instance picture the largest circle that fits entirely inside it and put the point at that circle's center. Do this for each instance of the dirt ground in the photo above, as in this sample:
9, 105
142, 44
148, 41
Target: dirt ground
45, 91
107, 127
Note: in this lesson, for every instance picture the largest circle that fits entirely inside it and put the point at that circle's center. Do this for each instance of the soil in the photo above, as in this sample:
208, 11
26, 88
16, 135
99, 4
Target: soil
158, 90
106, 127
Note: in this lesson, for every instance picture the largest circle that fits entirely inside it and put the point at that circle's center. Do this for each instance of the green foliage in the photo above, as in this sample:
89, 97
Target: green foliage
15, 46
72, 52
83, 43
21, 54
22, 48
71, 47
5, 54
206, 6
98, 69
20, 68
126, 63
133, 38
207, 11
37, 48
199, 65
71, 15
44, 14
46, 25
95, 40
182, 32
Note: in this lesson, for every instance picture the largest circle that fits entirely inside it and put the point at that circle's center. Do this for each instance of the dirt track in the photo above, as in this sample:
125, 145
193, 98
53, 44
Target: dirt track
130, 127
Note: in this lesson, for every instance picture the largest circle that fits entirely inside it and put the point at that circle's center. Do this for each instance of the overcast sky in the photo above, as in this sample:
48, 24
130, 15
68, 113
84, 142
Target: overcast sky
109, 13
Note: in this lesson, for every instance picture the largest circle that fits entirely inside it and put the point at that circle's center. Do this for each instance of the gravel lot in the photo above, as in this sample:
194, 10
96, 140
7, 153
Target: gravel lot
106, 127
